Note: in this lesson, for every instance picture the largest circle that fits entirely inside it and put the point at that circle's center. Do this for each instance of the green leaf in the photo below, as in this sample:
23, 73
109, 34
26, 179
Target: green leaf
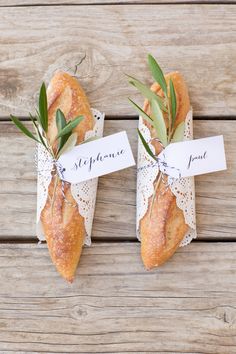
145, 144
146, 92
141, 112
172, 102
43, 108
159, 122
60, 120
61, 123
157, 73
179, 133
70, 143
23, 128
70, 126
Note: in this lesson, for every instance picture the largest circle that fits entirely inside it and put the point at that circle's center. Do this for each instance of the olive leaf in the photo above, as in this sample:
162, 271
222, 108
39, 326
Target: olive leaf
66, 138
178, 133
60, 120
23, 128
159, 122
145, 144
43, 108
146, 92
157, 73
70, 126
69, 144
61, 123
172, 102
141, 112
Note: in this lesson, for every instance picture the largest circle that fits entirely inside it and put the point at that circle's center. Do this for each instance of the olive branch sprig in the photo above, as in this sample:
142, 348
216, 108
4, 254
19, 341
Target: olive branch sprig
64, 141
65, 138
160, 107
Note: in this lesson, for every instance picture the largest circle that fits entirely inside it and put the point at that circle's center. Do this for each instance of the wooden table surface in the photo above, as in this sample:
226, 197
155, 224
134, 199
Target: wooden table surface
115, 306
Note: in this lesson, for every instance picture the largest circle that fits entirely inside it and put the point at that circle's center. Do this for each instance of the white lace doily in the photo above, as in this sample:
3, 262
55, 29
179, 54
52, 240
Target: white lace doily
182, 188
84, 193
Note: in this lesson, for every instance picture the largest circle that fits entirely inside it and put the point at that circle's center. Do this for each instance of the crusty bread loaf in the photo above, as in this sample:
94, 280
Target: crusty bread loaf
163, 226
63, 225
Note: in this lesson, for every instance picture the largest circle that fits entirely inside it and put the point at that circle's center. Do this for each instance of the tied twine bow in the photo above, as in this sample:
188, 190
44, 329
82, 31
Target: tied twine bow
163, 170
56, 171
162, 165
59, 170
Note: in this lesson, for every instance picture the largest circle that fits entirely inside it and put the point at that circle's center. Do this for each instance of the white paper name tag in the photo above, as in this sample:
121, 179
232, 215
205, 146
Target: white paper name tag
96, 158
193, 157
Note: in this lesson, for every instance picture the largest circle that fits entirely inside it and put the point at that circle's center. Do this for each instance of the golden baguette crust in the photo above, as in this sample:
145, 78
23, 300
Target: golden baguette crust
63, 225
163, 228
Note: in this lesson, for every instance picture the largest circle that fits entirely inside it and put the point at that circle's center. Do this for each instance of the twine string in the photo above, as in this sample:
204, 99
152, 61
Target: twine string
162, 166
57, 169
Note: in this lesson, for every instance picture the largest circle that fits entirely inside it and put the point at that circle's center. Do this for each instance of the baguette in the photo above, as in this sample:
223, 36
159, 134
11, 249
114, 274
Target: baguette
163, 226
62, 223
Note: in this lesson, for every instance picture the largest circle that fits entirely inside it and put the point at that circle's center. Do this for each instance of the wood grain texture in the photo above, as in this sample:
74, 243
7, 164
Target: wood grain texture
116, 306
13, 3
198, 40
115, 208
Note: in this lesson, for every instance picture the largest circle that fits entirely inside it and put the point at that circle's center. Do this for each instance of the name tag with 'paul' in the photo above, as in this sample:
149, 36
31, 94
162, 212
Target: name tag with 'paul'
193, 157
96, 158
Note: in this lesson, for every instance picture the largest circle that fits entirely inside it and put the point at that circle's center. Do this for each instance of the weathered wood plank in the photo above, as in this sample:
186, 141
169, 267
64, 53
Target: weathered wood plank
108, 2
115, 208
198, 40
186, 306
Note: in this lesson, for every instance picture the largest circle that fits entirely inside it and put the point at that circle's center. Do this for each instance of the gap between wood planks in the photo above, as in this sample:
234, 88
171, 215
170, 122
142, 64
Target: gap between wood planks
34, 240
127, 117
130, 3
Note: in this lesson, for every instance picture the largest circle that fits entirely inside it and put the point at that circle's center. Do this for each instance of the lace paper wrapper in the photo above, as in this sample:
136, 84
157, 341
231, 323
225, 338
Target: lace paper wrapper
84, 193
182, 188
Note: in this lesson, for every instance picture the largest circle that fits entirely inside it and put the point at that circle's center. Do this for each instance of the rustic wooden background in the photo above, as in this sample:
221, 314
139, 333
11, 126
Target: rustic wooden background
115, 306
